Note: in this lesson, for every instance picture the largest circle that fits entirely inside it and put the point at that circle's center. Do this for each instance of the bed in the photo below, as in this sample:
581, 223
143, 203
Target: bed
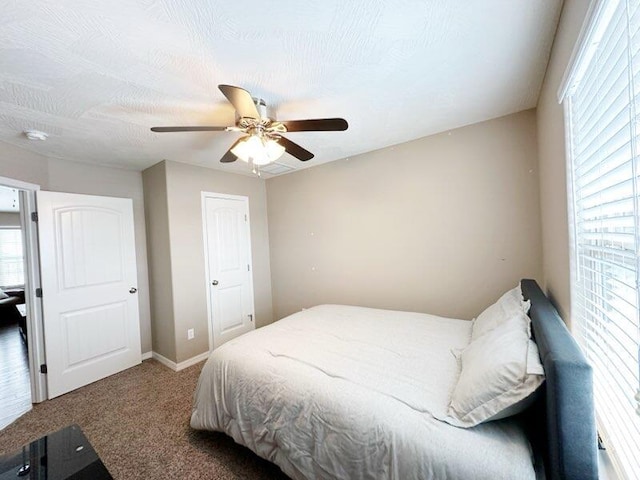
349, 392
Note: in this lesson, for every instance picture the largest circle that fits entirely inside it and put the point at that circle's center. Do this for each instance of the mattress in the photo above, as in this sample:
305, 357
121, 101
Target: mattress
343, 392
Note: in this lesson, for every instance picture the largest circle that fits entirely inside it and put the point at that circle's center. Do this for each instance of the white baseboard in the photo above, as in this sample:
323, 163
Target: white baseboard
176, 367
193, 360
147, 355
165, 361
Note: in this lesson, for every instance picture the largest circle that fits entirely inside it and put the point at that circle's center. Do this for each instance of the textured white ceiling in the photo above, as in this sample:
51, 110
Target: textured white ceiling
96, 75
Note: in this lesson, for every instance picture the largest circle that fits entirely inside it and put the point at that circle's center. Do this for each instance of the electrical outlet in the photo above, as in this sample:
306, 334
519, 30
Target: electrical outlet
190, 334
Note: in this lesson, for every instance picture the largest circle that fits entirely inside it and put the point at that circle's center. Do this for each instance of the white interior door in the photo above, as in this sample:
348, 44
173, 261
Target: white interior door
228, 255
89, 301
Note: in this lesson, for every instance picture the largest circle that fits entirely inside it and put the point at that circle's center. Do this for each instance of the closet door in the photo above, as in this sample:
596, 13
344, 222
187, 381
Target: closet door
228, 257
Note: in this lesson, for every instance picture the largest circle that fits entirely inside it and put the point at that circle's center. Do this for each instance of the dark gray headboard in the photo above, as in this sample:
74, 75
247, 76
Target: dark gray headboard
562, 422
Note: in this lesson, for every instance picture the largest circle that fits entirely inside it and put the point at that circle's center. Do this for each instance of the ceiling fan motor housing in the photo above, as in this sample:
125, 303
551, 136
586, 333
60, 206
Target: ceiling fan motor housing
253, 125
261, 106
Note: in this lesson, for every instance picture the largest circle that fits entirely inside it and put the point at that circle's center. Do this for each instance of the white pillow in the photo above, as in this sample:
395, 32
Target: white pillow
3, 295
495, 375
507, 306
534, 367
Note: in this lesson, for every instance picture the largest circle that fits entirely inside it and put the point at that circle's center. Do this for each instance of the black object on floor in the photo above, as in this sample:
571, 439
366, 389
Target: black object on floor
62, 455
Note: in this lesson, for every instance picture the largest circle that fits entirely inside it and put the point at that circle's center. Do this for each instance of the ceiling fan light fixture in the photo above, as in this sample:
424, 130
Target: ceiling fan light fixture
258, 150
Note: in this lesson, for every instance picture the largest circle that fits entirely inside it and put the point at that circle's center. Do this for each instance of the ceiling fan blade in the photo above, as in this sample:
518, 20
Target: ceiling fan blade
188, 129
230, 157
316, 125
241, 100
295, 149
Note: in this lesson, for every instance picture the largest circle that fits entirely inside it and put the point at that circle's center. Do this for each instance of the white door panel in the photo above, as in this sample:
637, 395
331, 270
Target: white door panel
91, 320
89, 246
93, 333
228, 256
231, 308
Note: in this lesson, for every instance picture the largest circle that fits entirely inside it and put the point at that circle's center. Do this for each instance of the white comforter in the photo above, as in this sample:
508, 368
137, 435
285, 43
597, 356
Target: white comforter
352, 393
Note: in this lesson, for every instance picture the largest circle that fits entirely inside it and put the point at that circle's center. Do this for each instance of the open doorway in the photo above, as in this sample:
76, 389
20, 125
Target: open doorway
21, 342
15, 386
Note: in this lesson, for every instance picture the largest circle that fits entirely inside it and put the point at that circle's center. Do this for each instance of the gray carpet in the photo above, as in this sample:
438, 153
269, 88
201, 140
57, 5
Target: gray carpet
138, 423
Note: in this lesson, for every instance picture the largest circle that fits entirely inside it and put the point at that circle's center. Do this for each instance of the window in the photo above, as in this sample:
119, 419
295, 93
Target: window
11, 257
602, 106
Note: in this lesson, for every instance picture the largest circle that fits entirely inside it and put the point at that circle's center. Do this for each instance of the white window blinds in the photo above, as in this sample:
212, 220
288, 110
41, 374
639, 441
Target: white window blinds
11, 259
602, 103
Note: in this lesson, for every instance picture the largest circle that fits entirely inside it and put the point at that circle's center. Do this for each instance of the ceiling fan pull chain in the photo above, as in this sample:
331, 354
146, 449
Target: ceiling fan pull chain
255, 169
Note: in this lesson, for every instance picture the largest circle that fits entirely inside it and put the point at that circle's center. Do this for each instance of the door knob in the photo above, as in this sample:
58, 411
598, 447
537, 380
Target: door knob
133, 290
215, 282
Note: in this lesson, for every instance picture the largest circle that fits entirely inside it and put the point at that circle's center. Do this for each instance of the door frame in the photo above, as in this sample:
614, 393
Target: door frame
35, 325
225, 196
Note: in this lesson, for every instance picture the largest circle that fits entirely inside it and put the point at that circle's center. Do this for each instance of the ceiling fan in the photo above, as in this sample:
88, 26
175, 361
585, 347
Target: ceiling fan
263, 142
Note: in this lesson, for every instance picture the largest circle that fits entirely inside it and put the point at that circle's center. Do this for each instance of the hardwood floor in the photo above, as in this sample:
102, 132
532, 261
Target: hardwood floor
15, 389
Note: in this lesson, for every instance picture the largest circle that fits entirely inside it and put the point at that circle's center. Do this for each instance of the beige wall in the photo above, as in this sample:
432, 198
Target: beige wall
23, 165
552, 161
9, 219
72, 177
161, 293
442, 225
188, 284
